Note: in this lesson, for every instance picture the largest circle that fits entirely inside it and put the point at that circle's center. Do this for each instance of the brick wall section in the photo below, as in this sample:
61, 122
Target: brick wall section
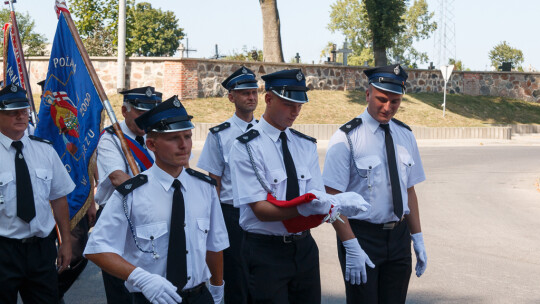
193, 78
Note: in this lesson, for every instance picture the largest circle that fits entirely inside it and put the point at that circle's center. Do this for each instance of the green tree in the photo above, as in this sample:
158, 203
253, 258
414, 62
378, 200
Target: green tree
246, 55
153, 32
97, 23
458, 65
149, 31
33, 43
379, 30
503, 52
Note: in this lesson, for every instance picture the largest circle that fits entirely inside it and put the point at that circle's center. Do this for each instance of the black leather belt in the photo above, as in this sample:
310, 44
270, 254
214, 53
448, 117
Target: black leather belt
286, 239
32, 239
192, 291
384, 226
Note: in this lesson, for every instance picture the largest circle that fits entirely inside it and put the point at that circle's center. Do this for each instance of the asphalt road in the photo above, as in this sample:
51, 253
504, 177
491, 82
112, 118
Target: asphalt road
480, 209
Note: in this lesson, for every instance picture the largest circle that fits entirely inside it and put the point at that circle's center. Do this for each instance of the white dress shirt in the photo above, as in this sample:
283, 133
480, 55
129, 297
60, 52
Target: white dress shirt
50, 181
215, 154
268, 159
149, 208
110, 158
371, 177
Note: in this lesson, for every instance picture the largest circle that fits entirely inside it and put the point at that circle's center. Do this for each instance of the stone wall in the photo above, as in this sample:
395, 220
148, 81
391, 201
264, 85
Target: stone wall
193, 78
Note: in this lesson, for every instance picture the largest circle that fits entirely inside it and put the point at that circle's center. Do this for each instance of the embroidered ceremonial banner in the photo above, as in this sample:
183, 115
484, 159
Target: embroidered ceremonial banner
12, 59
70, 116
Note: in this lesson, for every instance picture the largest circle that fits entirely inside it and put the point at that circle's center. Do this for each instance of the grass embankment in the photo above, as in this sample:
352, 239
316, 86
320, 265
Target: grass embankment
423, 109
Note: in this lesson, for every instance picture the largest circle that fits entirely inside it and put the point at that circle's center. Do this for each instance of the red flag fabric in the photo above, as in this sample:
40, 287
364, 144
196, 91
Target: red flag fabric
299, 223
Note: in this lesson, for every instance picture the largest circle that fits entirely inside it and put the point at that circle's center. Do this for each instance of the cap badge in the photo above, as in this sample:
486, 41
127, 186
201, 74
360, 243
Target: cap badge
244, 71
13, 88
148, 92
176, 103
299, 76
396, 70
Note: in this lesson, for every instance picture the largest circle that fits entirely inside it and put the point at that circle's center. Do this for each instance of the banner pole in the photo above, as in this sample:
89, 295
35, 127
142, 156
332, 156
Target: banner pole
15, 30
101, 92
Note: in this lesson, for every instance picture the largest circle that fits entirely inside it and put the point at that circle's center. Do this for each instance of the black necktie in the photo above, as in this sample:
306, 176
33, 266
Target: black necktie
249, 126
392, 167
292, 179
26, 210
140, 140
176, 255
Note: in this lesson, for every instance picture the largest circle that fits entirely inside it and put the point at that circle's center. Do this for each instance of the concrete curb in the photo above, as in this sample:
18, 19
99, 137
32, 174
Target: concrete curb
325, 131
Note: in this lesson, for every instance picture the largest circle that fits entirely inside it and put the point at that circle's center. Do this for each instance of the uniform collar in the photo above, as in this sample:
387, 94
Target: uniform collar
242, 124
371, 123
165, 179
127, 130
6, 141
272, 132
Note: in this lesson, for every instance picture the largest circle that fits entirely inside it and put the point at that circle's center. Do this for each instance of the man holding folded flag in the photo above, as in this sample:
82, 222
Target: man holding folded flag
278, 187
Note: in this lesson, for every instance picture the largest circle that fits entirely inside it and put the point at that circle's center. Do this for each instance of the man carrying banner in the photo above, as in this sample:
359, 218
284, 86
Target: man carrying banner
113, 167
242, 87
278, 187
163, 231
31, 176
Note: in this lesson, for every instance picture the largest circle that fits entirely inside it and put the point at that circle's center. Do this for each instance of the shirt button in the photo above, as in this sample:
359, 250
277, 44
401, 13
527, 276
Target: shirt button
187, 252
189, 278
275, 180
369, 168
301, 176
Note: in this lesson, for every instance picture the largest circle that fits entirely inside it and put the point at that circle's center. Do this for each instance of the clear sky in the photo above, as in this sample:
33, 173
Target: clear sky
480, 25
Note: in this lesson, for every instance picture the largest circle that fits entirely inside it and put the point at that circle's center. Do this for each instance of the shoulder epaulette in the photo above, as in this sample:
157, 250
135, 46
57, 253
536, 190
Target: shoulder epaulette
351, 125
220, 127
201, 176
257, 120
131, 184
304, 136
401, 124
109, 129
249, 135
32, 137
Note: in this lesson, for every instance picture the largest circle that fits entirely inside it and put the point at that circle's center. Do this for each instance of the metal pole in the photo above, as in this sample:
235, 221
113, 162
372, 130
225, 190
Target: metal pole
444, 99
121, 72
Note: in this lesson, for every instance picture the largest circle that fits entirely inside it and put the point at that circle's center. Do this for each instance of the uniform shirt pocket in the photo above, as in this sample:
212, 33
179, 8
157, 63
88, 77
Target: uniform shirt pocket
203, 228
276, 178
150, 237
43, 184
369, 168
8, 192
304, 176
405, 164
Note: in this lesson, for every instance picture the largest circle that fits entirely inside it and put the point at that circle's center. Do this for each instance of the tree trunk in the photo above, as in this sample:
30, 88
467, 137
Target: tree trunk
379, 52
272, 51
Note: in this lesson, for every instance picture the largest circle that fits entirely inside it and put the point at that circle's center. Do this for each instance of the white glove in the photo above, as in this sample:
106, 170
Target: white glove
355, 262
420, 251
314, 207
324, 197
155, 288
217, 292
352, 204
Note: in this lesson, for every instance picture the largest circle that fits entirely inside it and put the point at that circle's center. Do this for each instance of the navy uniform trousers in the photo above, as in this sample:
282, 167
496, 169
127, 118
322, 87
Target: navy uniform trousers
390, 251
28, 267
282, 270
234, 271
